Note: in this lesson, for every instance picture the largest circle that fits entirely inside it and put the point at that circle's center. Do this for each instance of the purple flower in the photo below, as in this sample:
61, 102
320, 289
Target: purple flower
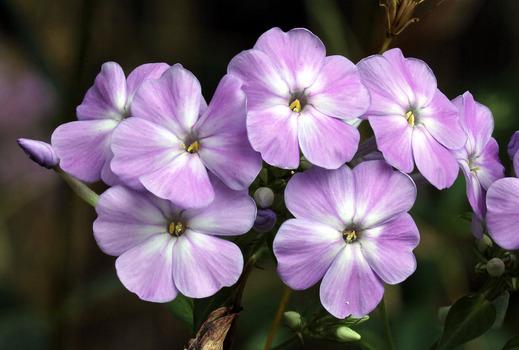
265, 220
351, 229
298, 98
164, 250
412, 120
174, 137
479, 158
502, 218
83, 146
40, 152
513, 147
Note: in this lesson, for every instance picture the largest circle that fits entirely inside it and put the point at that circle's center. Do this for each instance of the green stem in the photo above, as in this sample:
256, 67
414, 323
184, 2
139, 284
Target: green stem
385, 45
285, 343
82, 190
277, 319
387, 329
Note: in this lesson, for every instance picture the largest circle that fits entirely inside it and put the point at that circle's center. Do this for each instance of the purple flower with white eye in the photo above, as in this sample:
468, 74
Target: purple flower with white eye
502, 217
174, 138
299, 98
352, 229
40, 152
479, 158
413, 122
83, 146
164, 250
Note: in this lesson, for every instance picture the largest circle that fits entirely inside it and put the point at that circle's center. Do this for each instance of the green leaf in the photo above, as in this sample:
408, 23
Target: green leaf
512, 343
469, 317
182, 308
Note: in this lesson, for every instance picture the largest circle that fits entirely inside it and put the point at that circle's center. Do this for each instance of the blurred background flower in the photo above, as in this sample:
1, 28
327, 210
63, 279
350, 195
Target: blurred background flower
59, 291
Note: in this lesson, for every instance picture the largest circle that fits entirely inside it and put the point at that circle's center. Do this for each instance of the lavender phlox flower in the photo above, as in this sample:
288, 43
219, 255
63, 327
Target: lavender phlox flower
299, 99
164, 250
40, 152
479, 158
352, 229
83, 146
513, 147
174, 139
413, 122
502, 217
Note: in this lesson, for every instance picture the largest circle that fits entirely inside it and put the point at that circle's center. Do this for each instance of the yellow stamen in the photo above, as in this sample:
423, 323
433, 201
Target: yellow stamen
295, 106
349, 236
409, 116
176, 229
474, 169
195, 146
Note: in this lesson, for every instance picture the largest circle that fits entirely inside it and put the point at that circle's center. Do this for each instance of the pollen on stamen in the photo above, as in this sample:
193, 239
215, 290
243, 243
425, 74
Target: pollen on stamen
176, 229
295, 106
349, 236
409, 116
194, 147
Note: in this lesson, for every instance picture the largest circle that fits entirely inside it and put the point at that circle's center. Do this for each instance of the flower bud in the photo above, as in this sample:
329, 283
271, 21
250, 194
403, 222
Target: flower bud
265, 220
495, 267
346, 334
483, 243
264, 197
513, 146
40, 152
293, 319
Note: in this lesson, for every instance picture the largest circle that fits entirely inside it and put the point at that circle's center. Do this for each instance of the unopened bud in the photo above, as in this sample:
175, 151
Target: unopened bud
265, 220
495, 267
483, 243
346, 334
264, 197
293, 319
40, 152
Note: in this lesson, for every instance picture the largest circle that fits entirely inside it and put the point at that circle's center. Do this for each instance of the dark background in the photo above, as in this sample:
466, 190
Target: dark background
59, 291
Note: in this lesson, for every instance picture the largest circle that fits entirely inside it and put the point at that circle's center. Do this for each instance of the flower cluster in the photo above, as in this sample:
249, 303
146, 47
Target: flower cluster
180, 169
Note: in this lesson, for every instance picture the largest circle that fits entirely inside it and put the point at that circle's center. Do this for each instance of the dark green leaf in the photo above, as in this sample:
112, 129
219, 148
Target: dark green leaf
468, 318
512, 343
182, 309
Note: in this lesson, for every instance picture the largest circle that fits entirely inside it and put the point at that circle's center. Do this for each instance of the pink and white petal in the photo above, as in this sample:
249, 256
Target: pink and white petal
338, 91
326, 196
141, 147
305, 250
350, 286
263, 84
230, 213
231, 158
172, 101
147, 270
184, 181
503, 212
394, 139
202, 264
388, 248
419, 76
390, 92
475, 194
273, 133
227, 112
441, 119
83, 147
381, 193
490, 167
298, 55
434, 161
106, 99
144, 72
107, 175
125, 219
325, 141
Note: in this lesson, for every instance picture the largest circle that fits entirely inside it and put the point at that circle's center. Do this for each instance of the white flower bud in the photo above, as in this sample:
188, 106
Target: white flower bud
293, 319
483, 243
264, 197
495, 267
347, 334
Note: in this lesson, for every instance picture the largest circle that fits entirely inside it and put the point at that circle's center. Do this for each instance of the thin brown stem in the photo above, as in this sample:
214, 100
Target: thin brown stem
277, 319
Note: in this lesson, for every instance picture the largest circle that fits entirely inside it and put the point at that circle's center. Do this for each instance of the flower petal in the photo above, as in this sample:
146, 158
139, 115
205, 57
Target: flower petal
326, 196
83, 147
142, 73
325, 141
106, 99
338, 91
125, 219
433, 160
305, 250
503, 212
381, 193
273, 133
202, 264
146, 269
388, 248
350, 287
298, 54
